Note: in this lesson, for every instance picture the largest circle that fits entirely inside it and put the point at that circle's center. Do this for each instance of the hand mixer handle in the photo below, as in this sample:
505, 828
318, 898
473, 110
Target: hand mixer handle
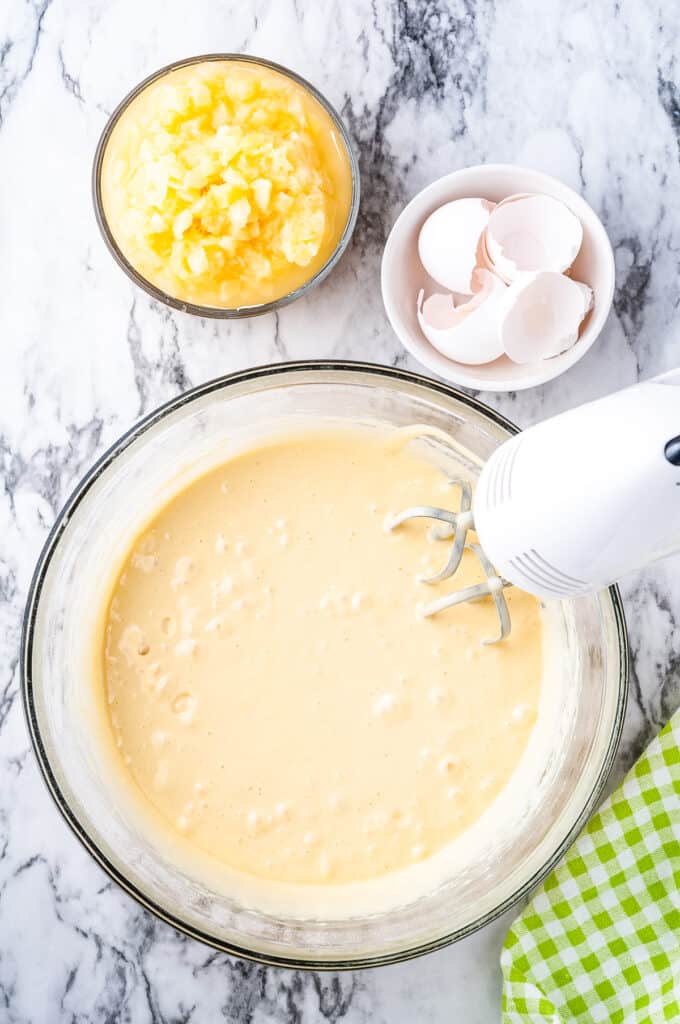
574, 503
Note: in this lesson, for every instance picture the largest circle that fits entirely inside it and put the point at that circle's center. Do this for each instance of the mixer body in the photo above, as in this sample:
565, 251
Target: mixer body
574, 503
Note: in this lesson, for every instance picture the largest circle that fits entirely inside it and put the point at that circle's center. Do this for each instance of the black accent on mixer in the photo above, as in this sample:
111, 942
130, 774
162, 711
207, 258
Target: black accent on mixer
672, 451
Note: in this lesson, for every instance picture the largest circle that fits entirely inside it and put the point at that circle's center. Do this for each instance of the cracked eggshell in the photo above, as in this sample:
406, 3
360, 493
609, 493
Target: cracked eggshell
467, 333
449, 240
541, 315
483, 259
529, 233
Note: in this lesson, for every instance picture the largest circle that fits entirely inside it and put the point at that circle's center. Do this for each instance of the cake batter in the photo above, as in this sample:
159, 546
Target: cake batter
271, 689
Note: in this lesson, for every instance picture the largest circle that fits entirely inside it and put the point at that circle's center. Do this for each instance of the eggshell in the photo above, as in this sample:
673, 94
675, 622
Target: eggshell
439, 311
541, 315
483, 259
528, 233
448, 242
467, 333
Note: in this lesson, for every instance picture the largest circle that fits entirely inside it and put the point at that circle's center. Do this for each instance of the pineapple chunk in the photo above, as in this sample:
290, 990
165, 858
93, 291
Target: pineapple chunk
262, 190
181, 223
197, 259
239, 212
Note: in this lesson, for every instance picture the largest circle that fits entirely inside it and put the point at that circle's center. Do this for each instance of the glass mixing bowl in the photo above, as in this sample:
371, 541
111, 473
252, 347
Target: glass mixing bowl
221, 312
96, 526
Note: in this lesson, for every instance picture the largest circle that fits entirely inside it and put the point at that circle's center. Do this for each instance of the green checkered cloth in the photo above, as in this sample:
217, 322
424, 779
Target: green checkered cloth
600, 941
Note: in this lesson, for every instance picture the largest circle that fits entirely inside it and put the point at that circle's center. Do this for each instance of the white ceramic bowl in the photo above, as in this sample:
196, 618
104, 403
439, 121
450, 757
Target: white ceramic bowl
403, 275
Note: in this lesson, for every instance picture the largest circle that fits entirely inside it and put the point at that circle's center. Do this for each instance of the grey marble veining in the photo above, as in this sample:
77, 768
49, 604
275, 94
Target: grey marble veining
588, 91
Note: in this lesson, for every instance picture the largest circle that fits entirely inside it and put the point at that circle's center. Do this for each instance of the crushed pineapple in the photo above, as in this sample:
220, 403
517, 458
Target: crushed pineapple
226, 184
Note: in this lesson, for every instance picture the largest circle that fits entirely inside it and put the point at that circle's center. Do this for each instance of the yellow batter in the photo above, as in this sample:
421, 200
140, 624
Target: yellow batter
271, 688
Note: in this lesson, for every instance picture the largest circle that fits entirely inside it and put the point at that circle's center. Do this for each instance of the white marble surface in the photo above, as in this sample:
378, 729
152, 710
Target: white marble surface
587, 91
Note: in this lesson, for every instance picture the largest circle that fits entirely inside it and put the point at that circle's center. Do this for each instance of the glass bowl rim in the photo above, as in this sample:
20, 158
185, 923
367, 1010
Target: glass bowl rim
196, 309
224, 383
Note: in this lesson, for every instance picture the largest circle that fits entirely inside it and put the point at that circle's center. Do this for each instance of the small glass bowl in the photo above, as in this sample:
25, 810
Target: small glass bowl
94, 529
217, 312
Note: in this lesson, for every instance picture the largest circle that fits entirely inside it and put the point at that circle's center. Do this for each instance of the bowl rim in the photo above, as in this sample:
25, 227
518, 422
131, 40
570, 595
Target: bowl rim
217, 312
137, 430
546, 368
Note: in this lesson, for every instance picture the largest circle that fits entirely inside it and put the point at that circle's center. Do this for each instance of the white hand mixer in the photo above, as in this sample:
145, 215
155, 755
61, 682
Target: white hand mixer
574, 503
